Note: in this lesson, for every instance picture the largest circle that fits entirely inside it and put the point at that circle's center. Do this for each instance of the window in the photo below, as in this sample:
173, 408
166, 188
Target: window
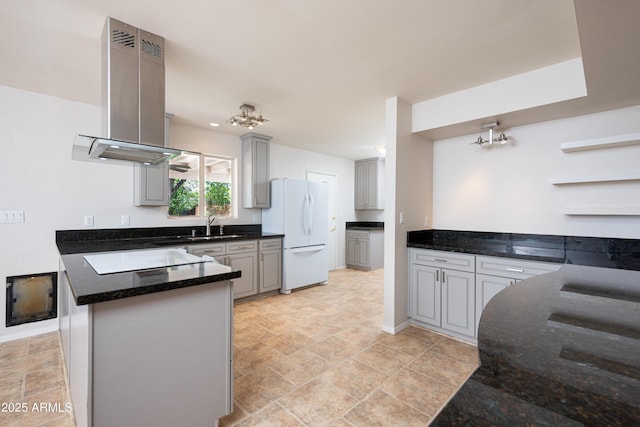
200, 186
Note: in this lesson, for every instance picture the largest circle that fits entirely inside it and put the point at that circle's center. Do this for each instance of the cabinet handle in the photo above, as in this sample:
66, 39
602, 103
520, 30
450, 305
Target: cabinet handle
443, 277
517, 270
437, 275
440, 260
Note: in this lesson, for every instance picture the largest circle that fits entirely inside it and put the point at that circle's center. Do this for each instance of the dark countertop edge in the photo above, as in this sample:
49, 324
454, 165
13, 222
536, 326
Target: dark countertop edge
364, 225
150, 289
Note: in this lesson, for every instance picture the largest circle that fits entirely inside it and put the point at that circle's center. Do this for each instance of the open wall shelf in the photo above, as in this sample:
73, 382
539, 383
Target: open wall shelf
608, 177
600, 143
602, 211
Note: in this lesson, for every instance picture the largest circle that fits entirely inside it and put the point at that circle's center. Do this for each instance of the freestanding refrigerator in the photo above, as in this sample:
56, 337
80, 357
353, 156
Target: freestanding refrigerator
299, 210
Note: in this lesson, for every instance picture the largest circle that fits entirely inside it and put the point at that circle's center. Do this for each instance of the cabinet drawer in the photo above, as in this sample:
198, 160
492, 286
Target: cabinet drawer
266, 244
509, 267
211, 250
242, 246
442, 259
357, 234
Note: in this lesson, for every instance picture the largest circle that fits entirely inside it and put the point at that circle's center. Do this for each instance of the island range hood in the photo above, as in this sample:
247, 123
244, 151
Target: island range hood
133, 99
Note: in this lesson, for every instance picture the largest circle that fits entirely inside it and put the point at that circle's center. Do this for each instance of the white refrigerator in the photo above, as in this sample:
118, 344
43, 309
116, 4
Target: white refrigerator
300, 210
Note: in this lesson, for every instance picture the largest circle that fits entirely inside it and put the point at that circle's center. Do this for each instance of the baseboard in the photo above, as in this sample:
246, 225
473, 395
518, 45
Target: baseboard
394, 330
29, 333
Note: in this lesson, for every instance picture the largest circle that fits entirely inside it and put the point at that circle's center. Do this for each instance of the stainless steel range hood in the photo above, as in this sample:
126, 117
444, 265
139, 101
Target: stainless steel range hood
93, 148
133, 99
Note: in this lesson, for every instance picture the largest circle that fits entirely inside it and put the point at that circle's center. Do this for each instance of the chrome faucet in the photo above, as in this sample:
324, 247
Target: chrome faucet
210, 220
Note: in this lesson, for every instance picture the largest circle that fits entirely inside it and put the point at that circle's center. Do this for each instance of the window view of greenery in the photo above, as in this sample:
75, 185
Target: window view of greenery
186, 172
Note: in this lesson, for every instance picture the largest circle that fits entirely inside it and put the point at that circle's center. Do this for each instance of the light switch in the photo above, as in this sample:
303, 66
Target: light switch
401, 217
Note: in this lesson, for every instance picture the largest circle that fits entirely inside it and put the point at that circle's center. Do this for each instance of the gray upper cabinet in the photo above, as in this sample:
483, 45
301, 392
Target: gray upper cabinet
255, 171
369, 180
151, 183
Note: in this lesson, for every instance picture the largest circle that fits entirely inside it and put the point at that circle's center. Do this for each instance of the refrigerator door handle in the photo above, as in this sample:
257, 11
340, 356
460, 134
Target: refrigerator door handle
311, 209
307, 249
305, 214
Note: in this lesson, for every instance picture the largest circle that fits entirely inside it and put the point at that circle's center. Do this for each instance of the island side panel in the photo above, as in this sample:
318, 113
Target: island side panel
75, 333
164, 359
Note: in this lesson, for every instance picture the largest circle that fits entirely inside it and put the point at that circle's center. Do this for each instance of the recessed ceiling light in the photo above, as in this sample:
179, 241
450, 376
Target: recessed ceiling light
215, 125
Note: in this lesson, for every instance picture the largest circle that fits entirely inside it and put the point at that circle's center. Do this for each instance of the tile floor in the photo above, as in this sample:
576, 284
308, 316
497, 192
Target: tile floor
318, 357
314, 357
32, 386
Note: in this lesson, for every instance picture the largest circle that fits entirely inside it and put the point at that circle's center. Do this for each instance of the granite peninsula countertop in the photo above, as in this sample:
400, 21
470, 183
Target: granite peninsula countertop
89, 287
557, 349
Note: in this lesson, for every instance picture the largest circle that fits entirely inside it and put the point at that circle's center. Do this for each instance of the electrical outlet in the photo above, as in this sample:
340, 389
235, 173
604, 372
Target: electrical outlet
124, 220
426, 221
401, 217
88, 220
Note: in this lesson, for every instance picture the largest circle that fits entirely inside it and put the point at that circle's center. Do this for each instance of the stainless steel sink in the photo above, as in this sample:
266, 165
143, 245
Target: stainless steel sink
218, 237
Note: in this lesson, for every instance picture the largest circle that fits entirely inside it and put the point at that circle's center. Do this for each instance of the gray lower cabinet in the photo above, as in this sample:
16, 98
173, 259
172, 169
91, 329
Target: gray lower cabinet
494, 274
259, 260
486, 288
442, 291
365, 249
270, 262
448, 291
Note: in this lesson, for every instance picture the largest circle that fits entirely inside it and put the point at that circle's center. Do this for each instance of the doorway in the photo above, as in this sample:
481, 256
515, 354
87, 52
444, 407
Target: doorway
332, 184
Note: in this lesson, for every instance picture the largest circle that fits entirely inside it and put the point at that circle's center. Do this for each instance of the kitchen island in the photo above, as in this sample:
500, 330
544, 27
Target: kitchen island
557, 349
147, 347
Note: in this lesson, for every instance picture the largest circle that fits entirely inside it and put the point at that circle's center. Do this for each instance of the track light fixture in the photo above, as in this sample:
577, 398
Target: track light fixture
247, 118
501, 139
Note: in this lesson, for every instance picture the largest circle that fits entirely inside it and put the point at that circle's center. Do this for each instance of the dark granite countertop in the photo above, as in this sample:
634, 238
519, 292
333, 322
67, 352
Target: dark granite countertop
590, 251
84, 241
557, 349
88, 287
365, 225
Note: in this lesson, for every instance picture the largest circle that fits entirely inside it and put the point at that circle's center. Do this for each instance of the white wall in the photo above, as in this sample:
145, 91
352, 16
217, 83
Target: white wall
289, 162
506, 188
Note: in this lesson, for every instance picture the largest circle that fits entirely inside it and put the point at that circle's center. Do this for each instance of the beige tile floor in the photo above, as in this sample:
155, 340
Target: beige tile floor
318, 357
32, 387
314, 357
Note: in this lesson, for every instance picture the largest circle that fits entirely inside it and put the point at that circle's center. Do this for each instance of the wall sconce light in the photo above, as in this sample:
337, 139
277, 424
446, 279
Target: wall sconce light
501, 139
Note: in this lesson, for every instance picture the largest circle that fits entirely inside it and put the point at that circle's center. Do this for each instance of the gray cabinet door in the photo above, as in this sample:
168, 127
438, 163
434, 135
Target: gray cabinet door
352, 251
486, 288
256, 188
151, 185
361, 186
270, 270
248, 283
363, 252
424, 288
458, 301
